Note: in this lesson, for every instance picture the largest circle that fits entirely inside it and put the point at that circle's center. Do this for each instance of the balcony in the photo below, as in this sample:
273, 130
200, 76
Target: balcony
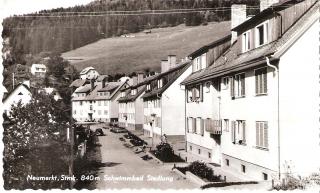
213, 126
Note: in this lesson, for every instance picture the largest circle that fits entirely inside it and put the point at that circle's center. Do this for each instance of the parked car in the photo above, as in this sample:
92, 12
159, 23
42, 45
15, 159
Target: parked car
99, 132
118, 130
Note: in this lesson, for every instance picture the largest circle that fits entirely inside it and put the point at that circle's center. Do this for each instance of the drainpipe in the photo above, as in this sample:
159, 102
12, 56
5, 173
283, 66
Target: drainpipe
278, 85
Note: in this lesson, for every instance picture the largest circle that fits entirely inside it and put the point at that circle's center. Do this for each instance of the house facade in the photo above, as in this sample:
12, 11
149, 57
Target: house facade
97, 101
249, 114
164, 98
38, 70
20, 93
131, 105
89, 73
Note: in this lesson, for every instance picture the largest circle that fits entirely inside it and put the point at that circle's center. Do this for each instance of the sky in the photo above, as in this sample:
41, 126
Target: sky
11, 7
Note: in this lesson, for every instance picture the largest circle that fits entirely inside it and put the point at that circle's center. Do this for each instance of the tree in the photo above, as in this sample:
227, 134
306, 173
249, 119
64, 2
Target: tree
36, 128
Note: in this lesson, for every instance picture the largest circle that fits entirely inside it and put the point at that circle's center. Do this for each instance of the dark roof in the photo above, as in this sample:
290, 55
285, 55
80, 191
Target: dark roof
128, 97
9, 93
284, 4
78, 82
231, 61
205, 48
181, 69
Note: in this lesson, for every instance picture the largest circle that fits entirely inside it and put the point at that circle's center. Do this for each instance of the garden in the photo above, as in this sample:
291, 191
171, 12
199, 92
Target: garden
165, 153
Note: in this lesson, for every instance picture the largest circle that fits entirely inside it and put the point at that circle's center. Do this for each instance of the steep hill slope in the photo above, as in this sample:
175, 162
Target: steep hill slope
140, 51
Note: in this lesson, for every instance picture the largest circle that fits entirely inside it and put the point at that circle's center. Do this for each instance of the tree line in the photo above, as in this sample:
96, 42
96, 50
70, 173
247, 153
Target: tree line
63, 29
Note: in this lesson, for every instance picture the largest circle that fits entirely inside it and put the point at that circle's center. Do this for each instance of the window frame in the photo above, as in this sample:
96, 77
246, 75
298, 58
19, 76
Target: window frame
265, 27
241, 87
246, 41
257, 88
264, 144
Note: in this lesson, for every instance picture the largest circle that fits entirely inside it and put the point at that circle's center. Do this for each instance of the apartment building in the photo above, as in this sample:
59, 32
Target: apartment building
253, 110
131, 105
164, 106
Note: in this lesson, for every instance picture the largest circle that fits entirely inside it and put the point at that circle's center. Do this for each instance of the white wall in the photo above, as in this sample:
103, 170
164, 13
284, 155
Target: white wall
299, 103
14, 98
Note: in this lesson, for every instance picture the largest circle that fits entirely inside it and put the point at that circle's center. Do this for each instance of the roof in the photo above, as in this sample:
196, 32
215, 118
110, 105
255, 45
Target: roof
12, 91
231, 61
101, 77
178, 70
267, 12
213, 44
128, 97
87, 69
39, 65
78, 82
93, 95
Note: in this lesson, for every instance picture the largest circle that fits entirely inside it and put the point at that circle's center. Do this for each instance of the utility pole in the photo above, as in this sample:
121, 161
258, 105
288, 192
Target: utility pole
12, 80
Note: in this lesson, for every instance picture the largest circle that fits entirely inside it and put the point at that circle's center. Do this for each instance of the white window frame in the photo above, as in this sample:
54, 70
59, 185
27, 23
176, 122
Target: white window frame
246, 38
265, 27
226, 125
238, 93
159, 83
261, 139
261, 91
225, 82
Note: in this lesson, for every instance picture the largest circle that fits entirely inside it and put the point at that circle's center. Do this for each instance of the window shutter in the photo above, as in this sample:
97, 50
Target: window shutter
233, 131
187, 124
257, 82
244, 131
265, 134
261, 132
232, 86
243, 85
194, 125
265, 83
201, 92
201, 127
257, 134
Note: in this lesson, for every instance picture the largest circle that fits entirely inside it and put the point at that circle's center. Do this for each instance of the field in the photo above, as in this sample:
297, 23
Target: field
140, 50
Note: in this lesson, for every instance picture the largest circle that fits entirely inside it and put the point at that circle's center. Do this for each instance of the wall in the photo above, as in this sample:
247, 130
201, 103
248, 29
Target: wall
299, 103
139, 112
14, 98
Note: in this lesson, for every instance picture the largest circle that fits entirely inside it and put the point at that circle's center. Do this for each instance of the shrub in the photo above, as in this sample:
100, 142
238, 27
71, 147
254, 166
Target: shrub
201, 169
164, 152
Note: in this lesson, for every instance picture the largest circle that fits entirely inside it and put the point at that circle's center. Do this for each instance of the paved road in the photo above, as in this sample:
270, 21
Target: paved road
123, 162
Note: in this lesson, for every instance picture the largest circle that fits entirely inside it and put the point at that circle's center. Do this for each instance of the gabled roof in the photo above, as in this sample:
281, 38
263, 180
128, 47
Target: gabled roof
87, 69
178, 70
109, 86
205, 48
128, 97
78, 82
231, 61
12, 91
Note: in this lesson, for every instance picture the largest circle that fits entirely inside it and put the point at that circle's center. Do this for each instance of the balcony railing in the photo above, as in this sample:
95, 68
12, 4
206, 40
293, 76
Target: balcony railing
213, 126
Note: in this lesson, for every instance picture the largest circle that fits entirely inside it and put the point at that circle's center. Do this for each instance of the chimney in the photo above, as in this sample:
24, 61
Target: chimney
264, 4
172, 60
104, 80
92, 84
134, 80
140, 77
238, 16
164, 65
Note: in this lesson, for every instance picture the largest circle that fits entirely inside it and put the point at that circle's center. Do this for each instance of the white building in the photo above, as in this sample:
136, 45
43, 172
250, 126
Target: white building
38, 70
131, 105
262, 96
164, 103
97, 101
89, 73
20, 93
54, 92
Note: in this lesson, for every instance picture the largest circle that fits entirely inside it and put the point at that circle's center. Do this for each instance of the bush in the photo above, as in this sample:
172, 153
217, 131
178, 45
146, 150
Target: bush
164, 152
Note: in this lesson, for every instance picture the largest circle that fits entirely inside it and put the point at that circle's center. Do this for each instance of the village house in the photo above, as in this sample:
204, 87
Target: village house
131, 105
51, 91
256, 115
89, 73
38, 70
164, 106
21, 93
97, 101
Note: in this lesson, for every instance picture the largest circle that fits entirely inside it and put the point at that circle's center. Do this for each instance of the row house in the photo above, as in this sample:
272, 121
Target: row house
97, 101
253, 109
164, 103
131, 105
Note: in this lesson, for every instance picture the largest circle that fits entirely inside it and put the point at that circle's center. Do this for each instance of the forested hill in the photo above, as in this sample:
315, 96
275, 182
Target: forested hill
64, 29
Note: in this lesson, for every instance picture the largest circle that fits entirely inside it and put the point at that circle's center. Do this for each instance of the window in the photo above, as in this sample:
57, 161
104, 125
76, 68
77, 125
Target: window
238, 132
261, 81
105, 112
246, 41
262, 134
134, 92
91, 107
243, 168
190, 147
209, 155
226, 125
225, 83
81, 102
265, 176
99, 103
198, 125
123, 94
207, 86
196, 66
74, 112
238, 86
227, 162
159, 83
261, 34
148, 87
199, 151
195, 94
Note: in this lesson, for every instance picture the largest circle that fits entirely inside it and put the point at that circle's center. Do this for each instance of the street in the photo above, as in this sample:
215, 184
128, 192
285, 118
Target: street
123, 162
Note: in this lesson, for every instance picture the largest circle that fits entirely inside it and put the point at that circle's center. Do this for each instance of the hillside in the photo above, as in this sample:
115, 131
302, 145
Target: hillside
141, 51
